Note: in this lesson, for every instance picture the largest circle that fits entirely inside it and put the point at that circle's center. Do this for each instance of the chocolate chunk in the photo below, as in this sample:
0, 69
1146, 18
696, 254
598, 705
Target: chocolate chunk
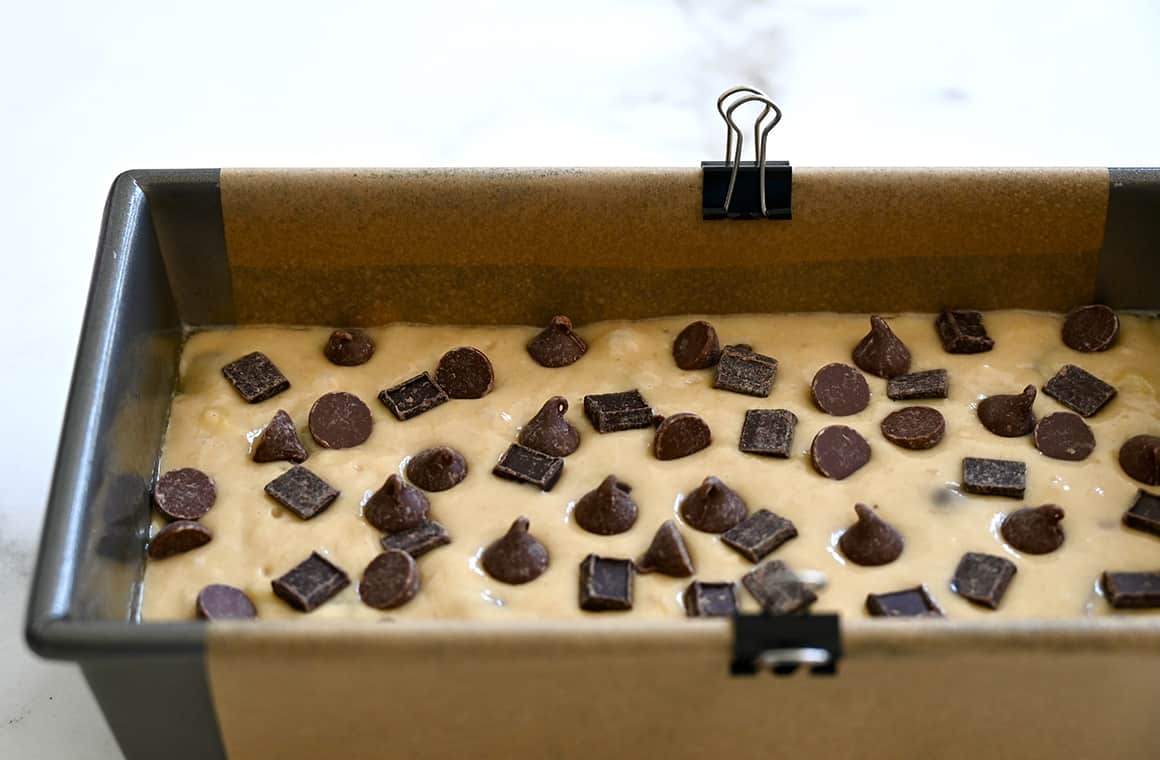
1091, 328
605, 584
1079, 390
419, 540
339, 421
871, 541
1140, 458
839, 451
777, 589
710, 599
680, 435
741, 370
349, 348
914, 427
840, 390
1132, 591
437, 469
178, 537
696, 347
465, 372
526, 465
517, 556
218, 601
881, 352
931, 383
962, 332
279, 441
302, 492
1066, 436
411, 398
759, 534
768, 432
389, 581
184, 494
983, 578
557, 345
713, 507
549, 432
1008, 415
994, 477
1034, 530
255, 377
911, 602
1145, 513
607, 509
613, 412
667, 554
397, 506
310, 583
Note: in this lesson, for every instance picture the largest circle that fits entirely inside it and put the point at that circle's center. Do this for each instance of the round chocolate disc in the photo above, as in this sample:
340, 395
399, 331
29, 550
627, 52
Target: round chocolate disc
1091, 328
465, 372
390, 580
1140, 458
680, 435
349, 348
839, 451
178, 537
339, 421
437, 469
840, 390
1034, 530
184, 494
1064, 435
697, 347
914, 427
218, 601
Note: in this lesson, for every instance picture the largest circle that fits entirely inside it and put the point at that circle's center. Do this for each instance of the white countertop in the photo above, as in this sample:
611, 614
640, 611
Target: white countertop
88, 90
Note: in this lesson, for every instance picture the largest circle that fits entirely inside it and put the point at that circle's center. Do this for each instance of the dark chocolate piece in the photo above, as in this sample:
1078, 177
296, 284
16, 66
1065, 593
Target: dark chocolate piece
1034, 530
911, 602
713, 507
613, 412
178, 537
517, 556
838, 451
963, 332
397, 507
1140, 458
881, 352
931, 383
1131, 591
310, 583
1008, 415
994, 477
526, 465
389, 581
1079, 390
437, 469
710, 599
697, 347
840, 390
758, 535
741, 370
1145, 513
606, 584
255, 377
418, 541
549, 432
184, 494
465, 372
667, 554
349, 348
768, 432
871, 541
777, 589
1066, 436
680, 435
983, 578
412, 397
339, 421
607, 509
279, 441
557, 345
218, 601
302, 492
1091, 328
914, 427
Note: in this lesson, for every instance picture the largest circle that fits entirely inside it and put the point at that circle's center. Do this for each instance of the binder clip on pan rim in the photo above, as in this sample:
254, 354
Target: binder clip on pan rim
757, 189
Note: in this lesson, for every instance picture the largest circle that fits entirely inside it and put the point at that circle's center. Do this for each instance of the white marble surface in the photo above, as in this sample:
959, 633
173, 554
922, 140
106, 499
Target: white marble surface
87, 90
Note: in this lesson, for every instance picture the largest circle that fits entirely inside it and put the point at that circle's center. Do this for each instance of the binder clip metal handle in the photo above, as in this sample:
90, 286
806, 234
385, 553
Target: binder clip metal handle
751, 199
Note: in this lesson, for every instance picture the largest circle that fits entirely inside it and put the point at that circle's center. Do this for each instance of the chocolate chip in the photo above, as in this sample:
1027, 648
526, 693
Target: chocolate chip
667, 554
517, 556
255, 377
613, 412
741, 370
768, 432
549, 432
983, 578
218, 601
696, 347
839, 451
607, 509
349, 348
184, 494
605, 584
178, 537
911, 602
931, 383
524, 465
871, 541
389, 581
710, 599
310, 583
1132, 591
1144, 514
1034, 530
1066, 436
881, 352
465, 372
758, 535
962, 332
994, 477
397, 506
777, 589
680, 435
1008, 415
279, 441
840, 390
713, 507
419, 540
1140, 458
339, 421
413, 397
914, 427
557, 345
1079, 390
302, 492
437, 469
1091, 328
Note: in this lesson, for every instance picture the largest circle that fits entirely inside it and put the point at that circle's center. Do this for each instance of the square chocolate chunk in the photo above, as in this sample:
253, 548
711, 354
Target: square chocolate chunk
994, 477
710, 599
1079, 390
983, 578
777, 589
768, 432
613, 412
741, 370
962, 332
310, 583
412, 397
911, 602
1145, 513
418, 541
524, 465
932, 383
759, 534
1132, 591
302, 492
606, 584
255, 377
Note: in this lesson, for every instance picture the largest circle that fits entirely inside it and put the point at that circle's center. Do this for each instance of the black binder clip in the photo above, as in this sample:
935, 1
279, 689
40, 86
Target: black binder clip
736, 189
782, 643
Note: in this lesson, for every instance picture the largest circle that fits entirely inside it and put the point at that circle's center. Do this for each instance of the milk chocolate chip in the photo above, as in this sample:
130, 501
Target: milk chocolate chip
881, 353
697, 347
871, 541
1066, 436
465, 372
1034, 530
680, 435
1009, 415
1140, 458
517, 557
667, 554
397, 507
838, 452
280, 441
840, 390
549, 432
340, 421
390, 580
1091, 328
349, 348
437, 469
713, 507
557, 345
184, 494
606, 510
